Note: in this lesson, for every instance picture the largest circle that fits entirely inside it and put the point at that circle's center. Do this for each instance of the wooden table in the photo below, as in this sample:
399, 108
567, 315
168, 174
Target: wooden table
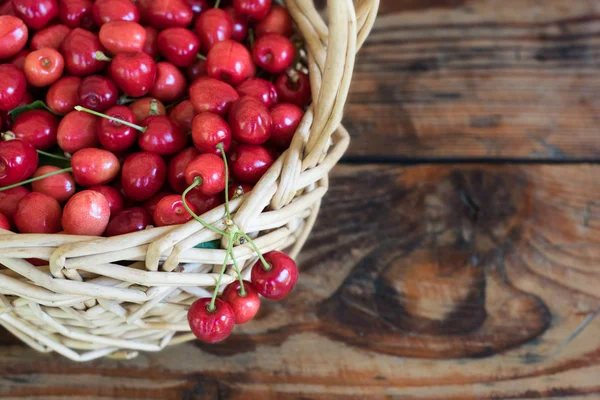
457, 253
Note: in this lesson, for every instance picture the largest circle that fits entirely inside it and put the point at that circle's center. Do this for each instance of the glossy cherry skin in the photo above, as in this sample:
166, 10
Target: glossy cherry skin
296, 91
129, 220
12, 86
213, 26
249, 162
152, 202
280, 278
239, 24
43, 67
79, 49
183, 115
250, 121
143, 175
230, 62
263, 90
9, 199
178, 45
98, 93
4, 222
198, 6
170, 211
51, 36
18, 160
93, 167
212, 95
104, 11
203, 202
255, 9
76, 131
63, 95
122, 37
238, 190
274, 53
76, 13
278, 20
196, 70
208, 130
142, 108
36, 127
60, 187
115, 200
169, 13
151, 43
176, 169
286, 118
38, 213
36, 13
170, 83
86, 213
134, 73
13, 36
210, 169
113, 135
211, 326
162, 136
244, 307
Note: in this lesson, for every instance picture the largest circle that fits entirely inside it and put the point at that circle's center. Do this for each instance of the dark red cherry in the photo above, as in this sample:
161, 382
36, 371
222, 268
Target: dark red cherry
105, 11
245, 304
213, 26
255, 9
115, 136
60, 187
76, 13
203, 202
263, 90
147, 106
36, 127
250, 121
295, 89
76, 131
122, 37
151, 43
286, 118
238, 190
36, 13
239, 24
170, 83
209, 94
230, 62
134, 73
98, 93
152, 202
178, 45
19, 60
211, 326
168, 13
9, 198
51, 36
93, 167
183, 114
274, 53
162, 136
129, 220
276, 280
196, 70
4, 222
115, 200
7, 8
198, 6
170, 211
43, 67
13, 36
278, 20
209, 130
211, 171
18, 160
38, 213
63, 95
86, 213
176, 169
143, 175
79, 51
249, 162
12, 86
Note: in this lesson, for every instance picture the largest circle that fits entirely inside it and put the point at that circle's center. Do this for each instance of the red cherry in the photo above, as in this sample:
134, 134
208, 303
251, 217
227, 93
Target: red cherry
244, 307
10, 198
263, 90
7, 8
79, 51
196, 70
143, 108
13, 36
105, 11
274, 53
255, 9
239, 24
278, 20
239, 190
143, 6
127, 221
77, 131
170, 84
162, 136
151, 43
230, 62
211, 326
76, 13
97, 93
183, 114
36, 13
63, 95
178, 45
208, 130
122, 36
43, 67
38, 213
92, 167
8, 123
19, 60
294, 90
36, 127
250, 121
286, 118
249, 162
134, 73
213, 26
4, 223
176, 169
86, 213
152, 202
18, 160
202, 202
115, 200
60, 187
209, 94
211, 171
168, 13
51, 36
198, 6
278, 279
143, 175
170, 211
12, 86
113, 135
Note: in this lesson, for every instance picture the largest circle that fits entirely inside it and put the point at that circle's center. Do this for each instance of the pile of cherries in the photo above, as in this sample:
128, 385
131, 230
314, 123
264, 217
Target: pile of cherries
119, 115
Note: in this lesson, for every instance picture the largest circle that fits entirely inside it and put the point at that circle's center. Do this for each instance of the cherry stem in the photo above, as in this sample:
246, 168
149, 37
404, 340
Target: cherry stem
220, 147
134, 126
251, 37
217, 3
125, 100
100, 56
198, 181
266, 265
200, 57
153, 109
242, 291
211, 306
52, 155
37, 178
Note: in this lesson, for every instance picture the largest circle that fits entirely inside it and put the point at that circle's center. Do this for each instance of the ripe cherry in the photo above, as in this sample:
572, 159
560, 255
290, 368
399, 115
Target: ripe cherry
36, 13
211, 326
79, 51
230, 62
38, 213
36, 127
18, 160
4, 223
63, 95
213, 26
278, 20
255, 9
208, 130
115, 200
209, 94
152, 202
249, 162
145, 107
170, 211
143, 175
19, 60
239, 24
250, 121
176, 169
198, 6
134, 73
127, 221
274, 53
178, 45
104, 11
294, 89
122, 37
60, 187
238, 190
277, 279
7, 8
92, 167
113, 135
168, 13
76, 13
12, 86
43, 67
263, 90
51, 36
151, 43
210, 170
13, 36
286, 118
245, 304
196, 70
77, 131
161, 136
97, 92
183, 114
170, 83
86, 213
10, 198
203, 202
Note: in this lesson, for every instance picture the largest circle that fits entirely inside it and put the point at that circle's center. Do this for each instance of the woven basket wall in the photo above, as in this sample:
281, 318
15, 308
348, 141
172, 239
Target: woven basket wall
86, 304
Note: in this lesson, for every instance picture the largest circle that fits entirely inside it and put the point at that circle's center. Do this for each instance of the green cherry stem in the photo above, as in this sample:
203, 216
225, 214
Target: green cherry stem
197, 182
266, 265
242, 291
153, 108
217, 3
100, 56
211, 306
220, 147
251, 37
52, 155
129, 124
37, 178
200, 57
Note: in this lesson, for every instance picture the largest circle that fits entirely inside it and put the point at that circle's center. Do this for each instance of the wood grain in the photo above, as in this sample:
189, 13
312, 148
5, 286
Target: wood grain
515, 79
454, 282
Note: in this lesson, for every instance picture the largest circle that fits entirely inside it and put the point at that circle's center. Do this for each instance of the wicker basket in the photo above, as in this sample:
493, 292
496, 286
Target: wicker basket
85, 304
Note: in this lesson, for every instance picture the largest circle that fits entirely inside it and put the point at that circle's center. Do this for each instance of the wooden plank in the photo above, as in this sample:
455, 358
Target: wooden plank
479, 79
454, 282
